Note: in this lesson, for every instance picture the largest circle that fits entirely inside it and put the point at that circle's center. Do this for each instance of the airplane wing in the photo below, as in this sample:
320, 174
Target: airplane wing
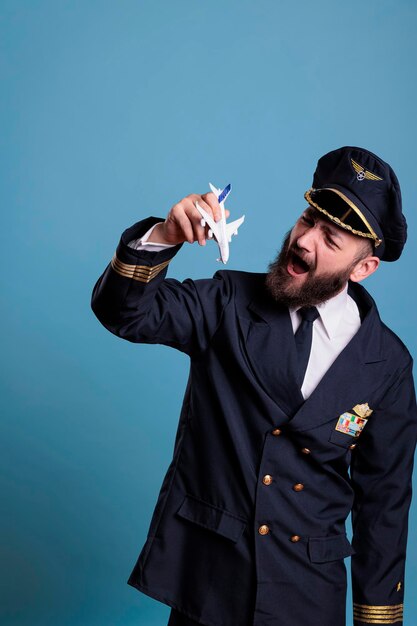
231, 227
208, 219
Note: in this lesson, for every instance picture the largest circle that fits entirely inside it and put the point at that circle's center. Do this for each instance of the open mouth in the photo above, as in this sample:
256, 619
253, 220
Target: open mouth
296, 265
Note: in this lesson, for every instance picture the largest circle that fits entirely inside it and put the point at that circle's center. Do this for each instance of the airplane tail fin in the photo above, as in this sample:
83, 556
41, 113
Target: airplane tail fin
221, 194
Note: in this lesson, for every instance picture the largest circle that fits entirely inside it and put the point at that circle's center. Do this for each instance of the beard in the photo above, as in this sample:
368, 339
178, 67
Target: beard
314, 290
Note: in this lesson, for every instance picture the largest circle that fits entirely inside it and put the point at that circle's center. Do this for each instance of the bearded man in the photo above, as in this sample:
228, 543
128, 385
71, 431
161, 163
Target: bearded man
299, 409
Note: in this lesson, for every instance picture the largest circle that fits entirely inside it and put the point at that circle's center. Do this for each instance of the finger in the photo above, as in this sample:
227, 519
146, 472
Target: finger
211, 200
195, 218
207, 208
181, 219
191, 220
204, 206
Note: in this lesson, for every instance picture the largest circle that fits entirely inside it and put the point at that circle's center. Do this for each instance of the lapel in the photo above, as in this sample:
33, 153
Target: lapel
351, 378
271, 351
270, 348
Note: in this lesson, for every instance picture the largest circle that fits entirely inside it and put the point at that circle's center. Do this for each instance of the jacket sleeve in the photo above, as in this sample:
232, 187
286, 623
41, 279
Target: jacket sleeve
381, 473
134, 300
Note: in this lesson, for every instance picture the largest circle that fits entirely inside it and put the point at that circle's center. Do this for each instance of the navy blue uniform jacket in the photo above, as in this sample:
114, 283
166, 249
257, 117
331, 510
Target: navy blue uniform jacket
249, 526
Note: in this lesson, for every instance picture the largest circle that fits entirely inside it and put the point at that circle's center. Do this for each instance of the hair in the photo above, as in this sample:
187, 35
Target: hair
365, 248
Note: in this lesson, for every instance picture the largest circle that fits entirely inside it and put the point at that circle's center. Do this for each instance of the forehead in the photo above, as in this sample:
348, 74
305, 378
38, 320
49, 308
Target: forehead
327, 224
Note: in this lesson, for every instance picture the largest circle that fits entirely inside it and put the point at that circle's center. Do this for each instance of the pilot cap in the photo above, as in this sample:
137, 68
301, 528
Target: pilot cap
360, 192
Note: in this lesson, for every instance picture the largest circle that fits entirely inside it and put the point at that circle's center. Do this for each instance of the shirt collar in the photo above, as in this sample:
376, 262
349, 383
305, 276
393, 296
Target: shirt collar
331, 311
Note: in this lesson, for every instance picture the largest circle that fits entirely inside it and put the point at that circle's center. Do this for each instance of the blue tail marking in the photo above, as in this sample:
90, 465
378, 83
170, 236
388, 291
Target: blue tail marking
224, 193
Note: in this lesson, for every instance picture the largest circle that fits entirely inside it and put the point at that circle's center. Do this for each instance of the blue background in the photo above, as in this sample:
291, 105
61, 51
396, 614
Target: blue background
113, 111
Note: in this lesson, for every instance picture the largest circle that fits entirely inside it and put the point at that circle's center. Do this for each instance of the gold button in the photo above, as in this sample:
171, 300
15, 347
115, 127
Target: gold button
295, 538
276, 432
263, 530
298, 486
305, 450
267, 479
352, 446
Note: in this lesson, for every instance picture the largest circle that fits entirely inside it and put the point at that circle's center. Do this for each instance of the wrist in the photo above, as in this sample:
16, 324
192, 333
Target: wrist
157, 234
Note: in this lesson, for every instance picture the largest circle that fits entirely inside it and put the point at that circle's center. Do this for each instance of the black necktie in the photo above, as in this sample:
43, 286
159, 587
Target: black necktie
303, 338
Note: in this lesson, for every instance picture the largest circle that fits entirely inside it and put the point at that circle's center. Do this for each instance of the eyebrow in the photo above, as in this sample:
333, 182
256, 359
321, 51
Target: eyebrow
312, 213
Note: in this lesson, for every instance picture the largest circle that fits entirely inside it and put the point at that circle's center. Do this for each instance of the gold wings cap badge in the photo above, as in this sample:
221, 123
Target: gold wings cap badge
362, 173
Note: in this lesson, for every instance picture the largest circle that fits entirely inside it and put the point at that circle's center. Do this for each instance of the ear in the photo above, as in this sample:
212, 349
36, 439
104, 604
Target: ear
364, 268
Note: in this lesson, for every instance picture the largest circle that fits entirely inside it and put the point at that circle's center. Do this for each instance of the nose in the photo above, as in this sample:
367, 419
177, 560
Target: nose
307, 239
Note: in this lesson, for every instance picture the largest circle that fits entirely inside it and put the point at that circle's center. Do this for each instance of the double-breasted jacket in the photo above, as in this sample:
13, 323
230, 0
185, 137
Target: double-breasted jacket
249, 526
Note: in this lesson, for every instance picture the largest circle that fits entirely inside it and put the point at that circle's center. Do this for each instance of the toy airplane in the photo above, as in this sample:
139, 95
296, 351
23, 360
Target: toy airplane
221, 231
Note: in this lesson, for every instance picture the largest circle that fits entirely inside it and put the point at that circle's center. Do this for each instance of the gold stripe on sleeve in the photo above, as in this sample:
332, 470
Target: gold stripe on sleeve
378, 614
142, 273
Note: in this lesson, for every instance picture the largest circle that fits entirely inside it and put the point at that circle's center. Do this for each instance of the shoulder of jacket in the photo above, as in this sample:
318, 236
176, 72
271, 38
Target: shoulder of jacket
241, 283
240, 276
397, 348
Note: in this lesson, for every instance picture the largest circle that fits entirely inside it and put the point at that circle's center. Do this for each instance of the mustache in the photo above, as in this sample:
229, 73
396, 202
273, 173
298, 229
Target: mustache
300, 256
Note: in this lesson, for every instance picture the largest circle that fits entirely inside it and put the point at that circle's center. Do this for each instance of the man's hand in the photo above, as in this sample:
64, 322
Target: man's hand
183, 220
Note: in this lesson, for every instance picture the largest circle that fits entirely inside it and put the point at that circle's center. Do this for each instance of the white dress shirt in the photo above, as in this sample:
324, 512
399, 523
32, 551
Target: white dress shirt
139, 244
337, 323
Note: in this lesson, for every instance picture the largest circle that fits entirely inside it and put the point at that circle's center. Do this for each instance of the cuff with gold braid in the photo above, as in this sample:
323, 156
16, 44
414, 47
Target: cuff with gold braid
377, 614
141, 265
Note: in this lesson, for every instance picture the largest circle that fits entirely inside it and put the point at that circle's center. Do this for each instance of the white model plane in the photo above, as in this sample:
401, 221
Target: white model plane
221, 231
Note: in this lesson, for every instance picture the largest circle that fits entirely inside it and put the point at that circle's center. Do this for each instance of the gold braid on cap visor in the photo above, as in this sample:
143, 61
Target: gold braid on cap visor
370, 235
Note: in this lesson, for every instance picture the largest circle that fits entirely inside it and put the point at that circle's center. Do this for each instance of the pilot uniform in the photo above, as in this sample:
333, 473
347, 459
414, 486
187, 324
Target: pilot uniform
249, 526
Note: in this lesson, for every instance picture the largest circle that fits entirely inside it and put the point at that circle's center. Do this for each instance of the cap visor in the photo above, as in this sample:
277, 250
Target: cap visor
345, 210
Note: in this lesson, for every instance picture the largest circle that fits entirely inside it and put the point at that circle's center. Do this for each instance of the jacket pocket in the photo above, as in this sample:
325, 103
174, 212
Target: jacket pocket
342, 439
212, 517
330, 548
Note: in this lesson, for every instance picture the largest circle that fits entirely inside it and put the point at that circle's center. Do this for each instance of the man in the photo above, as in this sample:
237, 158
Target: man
299, 408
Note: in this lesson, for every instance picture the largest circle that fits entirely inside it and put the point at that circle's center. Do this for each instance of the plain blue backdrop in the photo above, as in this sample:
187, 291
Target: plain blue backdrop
113, 111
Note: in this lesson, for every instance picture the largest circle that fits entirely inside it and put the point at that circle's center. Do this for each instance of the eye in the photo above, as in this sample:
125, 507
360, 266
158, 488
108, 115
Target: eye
307, 220
331, 242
